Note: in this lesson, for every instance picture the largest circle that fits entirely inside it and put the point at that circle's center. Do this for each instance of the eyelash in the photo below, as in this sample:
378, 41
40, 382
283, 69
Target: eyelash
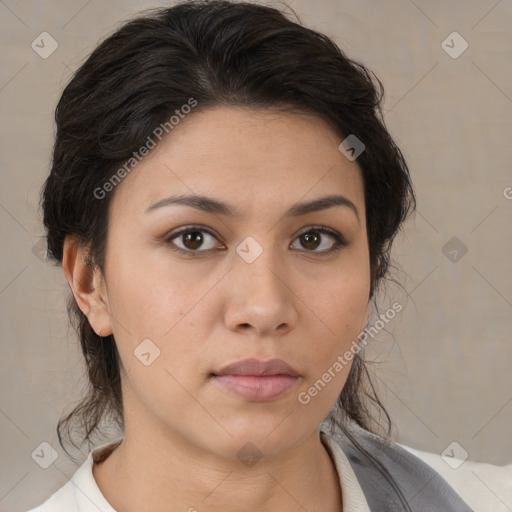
339, 241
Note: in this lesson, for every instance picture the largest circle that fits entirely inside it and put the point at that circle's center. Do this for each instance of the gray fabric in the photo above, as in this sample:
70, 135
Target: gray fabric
392, 479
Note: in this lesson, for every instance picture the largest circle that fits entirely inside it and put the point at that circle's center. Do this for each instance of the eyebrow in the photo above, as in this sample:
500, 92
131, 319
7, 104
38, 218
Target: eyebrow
211, 205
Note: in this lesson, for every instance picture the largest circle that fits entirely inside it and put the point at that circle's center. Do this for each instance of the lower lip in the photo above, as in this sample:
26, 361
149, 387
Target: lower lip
257, 388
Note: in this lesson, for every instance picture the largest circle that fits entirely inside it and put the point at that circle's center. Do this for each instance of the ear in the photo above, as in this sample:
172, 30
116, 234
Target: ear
88, 286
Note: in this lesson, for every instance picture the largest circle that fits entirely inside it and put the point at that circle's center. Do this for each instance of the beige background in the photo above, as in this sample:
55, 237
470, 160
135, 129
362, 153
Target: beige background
445, 361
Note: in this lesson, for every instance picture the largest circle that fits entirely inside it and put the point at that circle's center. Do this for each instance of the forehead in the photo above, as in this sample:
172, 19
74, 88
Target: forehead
256, 160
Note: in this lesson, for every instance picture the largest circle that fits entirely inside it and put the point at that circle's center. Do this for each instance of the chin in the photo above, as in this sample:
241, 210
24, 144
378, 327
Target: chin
266, 437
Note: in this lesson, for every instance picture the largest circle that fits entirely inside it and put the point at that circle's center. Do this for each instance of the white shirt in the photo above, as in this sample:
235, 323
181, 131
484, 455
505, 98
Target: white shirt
484, 487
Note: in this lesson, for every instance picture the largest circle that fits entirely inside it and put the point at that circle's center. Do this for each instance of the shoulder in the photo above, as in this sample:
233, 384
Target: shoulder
81, 491
481, 485
391, 477
61, 501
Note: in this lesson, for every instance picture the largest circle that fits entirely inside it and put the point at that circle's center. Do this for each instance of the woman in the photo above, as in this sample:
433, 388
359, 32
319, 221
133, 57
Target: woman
223, 199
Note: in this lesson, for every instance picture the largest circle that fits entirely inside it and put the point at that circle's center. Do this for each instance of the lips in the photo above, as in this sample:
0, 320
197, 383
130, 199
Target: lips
257, 381
258, 368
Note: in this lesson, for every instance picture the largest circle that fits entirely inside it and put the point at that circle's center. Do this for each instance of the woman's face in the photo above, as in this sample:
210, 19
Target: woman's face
256, 278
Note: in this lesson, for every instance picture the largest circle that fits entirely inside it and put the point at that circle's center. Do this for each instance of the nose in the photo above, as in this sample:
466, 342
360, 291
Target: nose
260, 297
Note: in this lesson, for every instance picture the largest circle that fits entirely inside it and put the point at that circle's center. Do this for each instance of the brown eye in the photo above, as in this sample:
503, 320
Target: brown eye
310, 240
192, 241
316, 240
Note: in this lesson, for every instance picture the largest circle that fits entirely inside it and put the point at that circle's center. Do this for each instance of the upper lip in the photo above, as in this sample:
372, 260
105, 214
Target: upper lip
257, 367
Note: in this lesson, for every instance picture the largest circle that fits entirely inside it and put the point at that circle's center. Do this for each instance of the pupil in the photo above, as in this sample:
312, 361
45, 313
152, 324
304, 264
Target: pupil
193, 239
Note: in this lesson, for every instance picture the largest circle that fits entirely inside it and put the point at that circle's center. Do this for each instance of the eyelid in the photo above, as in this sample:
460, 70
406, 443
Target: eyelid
319, 227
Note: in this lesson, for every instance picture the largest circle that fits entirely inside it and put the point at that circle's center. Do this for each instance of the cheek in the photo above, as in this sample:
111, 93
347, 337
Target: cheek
330, 351
153, 311
165, 311
149, 296
336, 320
336, 297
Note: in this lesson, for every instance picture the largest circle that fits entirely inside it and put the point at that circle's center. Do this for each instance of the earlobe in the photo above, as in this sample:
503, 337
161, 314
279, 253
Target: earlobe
87, 285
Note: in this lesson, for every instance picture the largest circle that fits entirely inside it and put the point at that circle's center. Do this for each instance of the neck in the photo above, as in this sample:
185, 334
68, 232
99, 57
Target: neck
163, 472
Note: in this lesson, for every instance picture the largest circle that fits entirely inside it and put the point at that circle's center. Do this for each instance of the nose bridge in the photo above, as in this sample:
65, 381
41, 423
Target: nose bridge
258, 265
258, 294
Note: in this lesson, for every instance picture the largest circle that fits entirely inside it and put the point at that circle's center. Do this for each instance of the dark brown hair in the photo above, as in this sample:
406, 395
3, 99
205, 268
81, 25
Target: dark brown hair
219, 53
